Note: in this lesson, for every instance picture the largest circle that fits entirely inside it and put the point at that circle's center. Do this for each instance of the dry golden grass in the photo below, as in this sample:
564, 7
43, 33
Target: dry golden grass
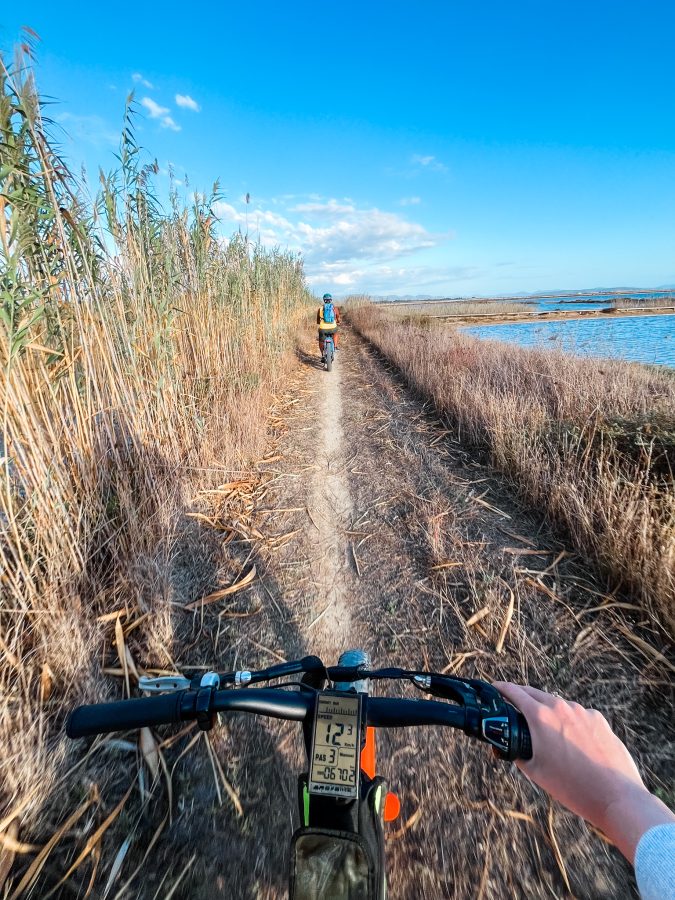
644, 303
436, 309
139, 355
451, 584
591, 442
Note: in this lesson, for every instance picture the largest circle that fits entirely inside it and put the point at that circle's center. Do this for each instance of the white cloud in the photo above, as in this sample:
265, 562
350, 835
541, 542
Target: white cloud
273, 228
138, 79
155, 111
168, 122
328, 208
428, 162
341, 242
354, 233
185, 101
410, 201
392, 279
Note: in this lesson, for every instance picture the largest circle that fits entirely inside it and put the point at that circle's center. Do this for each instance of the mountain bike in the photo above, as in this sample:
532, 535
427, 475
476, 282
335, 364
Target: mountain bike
328, 352
338, 851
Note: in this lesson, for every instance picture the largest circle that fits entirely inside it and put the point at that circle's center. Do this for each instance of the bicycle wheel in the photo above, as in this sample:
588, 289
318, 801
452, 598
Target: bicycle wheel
329, 355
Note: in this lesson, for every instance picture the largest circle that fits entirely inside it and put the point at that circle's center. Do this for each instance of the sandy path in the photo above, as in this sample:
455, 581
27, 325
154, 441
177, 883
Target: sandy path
330, 510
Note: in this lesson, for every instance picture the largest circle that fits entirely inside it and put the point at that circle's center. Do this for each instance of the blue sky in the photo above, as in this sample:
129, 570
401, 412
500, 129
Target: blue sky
438, 148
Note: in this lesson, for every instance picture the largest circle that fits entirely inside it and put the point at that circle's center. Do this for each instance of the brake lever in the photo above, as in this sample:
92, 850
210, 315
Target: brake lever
163, 683
447, 688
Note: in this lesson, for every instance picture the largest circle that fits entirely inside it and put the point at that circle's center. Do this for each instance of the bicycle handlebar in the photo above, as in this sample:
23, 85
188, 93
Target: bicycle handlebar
122, 715
382, 712
180, 706
401, 712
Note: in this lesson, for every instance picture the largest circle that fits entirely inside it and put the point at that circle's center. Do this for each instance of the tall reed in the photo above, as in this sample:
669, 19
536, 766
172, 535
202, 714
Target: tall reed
644, 302
139, 354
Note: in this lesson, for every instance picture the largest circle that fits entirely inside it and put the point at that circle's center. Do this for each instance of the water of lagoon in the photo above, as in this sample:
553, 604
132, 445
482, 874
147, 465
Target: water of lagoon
645, 339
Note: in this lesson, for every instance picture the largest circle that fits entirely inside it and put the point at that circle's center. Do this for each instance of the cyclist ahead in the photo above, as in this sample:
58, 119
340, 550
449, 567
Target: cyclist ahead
328, 319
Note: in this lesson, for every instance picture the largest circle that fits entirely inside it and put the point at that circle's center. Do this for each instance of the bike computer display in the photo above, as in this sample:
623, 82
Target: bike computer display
336, 745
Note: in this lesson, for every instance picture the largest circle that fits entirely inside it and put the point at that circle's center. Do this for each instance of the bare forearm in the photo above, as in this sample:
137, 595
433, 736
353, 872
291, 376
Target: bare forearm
628, 818
579, 760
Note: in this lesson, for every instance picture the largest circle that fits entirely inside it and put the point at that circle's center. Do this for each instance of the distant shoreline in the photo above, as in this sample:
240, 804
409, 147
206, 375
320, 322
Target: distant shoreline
585, 296
557, 315
566, 297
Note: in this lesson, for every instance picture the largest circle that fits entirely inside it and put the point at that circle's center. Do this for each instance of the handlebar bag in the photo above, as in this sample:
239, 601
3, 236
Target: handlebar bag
338, 854
331, 865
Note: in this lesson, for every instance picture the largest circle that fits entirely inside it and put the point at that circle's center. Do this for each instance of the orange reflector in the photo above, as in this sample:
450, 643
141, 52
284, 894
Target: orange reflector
368, 753
392, 807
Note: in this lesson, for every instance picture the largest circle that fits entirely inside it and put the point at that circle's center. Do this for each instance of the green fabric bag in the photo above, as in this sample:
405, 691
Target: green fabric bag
331, 865
338, 854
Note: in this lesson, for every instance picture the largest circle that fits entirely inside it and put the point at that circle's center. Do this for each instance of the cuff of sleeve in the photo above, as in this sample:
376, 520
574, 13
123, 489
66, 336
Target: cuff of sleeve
655, 863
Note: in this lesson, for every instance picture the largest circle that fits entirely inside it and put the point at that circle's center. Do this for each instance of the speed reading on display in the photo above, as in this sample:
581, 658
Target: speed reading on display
336, 745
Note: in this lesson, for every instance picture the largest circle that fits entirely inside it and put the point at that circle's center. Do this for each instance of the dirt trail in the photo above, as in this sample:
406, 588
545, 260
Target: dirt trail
330, 511
380, 530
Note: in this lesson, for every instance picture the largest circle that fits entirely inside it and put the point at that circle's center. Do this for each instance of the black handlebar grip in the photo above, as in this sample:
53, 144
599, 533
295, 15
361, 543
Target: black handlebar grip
524, 750
101, 718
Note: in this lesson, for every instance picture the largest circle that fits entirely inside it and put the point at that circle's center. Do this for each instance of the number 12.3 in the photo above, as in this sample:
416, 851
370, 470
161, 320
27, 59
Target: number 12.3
335, 731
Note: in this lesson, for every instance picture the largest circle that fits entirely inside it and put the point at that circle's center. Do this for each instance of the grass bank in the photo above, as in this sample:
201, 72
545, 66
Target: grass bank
590, 442
644, 303
426, 311
140, 353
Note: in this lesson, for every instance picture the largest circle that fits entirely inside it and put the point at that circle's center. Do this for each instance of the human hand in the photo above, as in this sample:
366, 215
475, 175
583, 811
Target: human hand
579, 761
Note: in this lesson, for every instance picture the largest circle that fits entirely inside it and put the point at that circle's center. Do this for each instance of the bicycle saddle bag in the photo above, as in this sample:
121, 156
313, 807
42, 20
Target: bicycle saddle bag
338, 854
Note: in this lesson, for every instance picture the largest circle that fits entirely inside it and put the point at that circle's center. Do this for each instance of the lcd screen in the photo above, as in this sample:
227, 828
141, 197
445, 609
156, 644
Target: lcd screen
336, 745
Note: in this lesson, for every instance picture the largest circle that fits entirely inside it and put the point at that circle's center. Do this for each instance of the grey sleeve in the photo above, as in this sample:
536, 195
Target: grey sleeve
655, 863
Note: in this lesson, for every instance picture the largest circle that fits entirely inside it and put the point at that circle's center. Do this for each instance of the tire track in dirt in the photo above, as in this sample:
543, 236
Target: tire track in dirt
330, 510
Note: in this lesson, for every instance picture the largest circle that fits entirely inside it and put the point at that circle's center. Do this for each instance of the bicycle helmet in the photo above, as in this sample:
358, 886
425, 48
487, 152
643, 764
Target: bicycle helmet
327, 297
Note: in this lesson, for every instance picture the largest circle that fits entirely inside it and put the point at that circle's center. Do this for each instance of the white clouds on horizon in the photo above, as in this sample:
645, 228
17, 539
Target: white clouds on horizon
392, 279
155, 111
185, 101
341, 243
